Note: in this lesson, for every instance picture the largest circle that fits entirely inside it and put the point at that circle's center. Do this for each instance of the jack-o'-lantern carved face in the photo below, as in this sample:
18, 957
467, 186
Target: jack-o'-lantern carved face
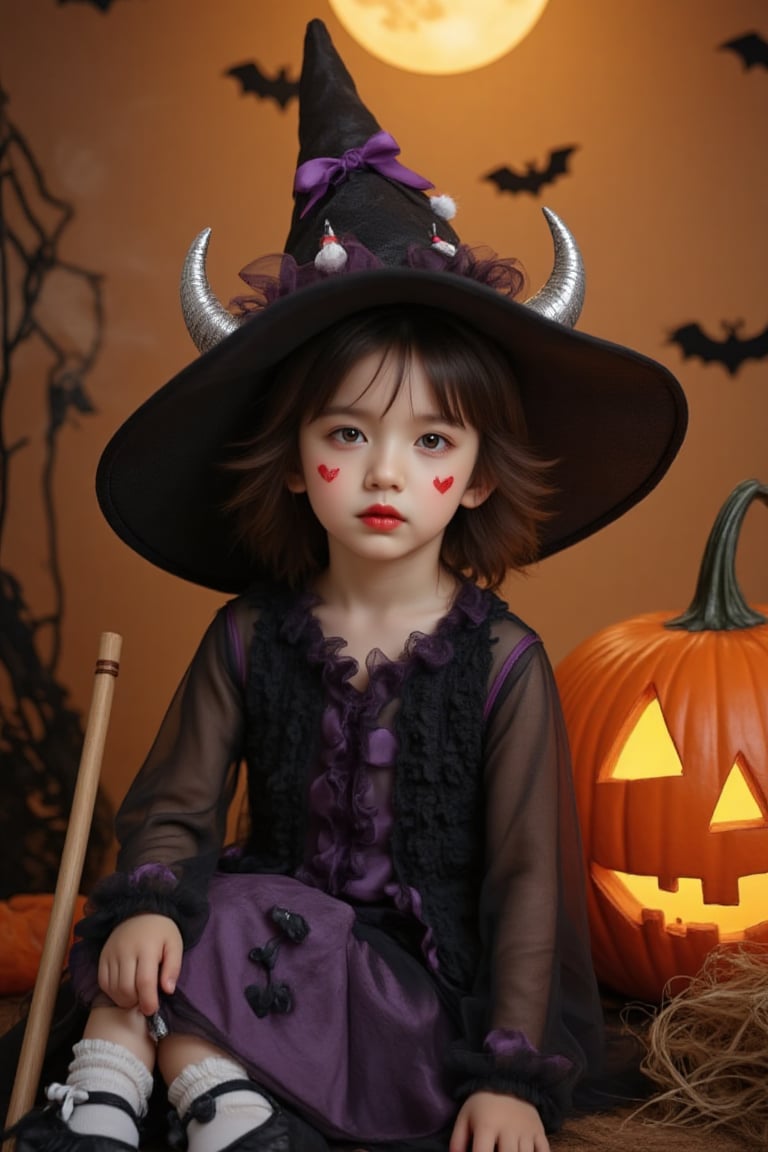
668, 724
725, 877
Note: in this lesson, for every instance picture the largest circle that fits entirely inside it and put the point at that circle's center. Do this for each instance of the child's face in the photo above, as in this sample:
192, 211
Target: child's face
384, 477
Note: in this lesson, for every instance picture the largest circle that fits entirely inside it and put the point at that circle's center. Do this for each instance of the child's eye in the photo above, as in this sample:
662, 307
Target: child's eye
348, 435
432, 441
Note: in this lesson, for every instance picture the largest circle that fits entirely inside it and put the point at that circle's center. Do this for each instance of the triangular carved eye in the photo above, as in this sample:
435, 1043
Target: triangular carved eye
738, 805
644, 750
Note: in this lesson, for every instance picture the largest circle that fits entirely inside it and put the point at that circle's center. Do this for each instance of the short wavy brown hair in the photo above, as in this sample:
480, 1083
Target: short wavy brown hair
474, 383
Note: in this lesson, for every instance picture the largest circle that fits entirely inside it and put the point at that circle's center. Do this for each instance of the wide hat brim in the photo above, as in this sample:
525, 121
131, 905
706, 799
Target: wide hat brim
610, 418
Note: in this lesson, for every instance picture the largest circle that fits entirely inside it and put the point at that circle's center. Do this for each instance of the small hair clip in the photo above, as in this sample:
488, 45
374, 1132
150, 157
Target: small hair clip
443, 246
332, 255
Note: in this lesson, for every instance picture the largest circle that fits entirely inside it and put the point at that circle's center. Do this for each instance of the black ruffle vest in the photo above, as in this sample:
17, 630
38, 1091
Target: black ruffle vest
438, 833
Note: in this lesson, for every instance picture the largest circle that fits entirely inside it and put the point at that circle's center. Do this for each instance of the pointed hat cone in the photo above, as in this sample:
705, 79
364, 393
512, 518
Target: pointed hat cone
332, 117
384, 215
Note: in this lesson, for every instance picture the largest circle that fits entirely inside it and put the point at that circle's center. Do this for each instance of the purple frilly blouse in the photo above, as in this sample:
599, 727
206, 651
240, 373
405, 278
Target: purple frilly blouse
350, 798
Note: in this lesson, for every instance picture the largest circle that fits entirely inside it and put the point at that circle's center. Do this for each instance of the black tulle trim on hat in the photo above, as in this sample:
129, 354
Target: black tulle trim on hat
504, 274
277, 275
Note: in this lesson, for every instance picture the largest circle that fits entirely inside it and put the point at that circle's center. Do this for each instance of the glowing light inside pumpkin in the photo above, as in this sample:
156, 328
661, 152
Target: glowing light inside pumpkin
737, 806
645, 750
686, 907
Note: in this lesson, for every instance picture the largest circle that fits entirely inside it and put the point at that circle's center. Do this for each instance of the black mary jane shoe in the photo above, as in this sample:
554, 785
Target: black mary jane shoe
44, 1130
281, 1132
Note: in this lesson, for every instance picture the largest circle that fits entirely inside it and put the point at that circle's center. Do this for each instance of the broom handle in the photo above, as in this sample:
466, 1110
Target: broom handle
68, 883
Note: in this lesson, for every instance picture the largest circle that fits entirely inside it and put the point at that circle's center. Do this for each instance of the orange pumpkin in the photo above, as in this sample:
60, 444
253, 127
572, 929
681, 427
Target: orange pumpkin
23, 925
668, 723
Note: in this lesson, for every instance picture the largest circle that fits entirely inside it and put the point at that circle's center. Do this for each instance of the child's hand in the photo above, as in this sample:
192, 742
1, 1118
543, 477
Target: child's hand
488, 1120
140, 954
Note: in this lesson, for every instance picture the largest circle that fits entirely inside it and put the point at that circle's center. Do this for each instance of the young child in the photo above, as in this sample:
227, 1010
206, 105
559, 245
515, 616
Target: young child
396, 953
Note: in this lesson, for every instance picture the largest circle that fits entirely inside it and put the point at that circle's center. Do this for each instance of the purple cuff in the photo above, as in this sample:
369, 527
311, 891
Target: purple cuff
513, 1045
161, 873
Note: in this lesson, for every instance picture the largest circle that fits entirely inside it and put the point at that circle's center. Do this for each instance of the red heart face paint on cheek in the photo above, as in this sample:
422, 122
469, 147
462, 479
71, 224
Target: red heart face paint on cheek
328, 474
443, 485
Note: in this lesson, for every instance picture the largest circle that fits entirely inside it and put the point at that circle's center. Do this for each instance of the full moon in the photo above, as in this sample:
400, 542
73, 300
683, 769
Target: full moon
438, 36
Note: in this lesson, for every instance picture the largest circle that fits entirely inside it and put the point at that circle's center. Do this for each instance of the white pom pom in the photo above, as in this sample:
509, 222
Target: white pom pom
331, 258
332, 255
443, 206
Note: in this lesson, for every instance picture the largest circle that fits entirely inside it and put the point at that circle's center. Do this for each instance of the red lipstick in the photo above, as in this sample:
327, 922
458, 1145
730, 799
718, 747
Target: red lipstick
382, 517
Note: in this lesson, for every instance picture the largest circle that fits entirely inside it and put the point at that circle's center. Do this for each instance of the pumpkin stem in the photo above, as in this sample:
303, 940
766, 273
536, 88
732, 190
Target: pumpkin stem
718, 604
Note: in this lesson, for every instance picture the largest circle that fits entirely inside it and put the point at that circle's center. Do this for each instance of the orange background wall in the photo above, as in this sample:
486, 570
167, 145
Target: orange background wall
133, 122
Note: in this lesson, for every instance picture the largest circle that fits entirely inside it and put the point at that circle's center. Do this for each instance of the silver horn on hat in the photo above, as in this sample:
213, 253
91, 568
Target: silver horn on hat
208, 321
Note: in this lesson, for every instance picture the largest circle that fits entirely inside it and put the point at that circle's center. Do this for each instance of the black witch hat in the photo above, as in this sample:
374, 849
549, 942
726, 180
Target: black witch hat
364, 233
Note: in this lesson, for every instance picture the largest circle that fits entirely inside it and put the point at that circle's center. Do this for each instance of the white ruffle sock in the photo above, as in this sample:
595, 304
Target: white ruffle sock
101, 1066
236, 1112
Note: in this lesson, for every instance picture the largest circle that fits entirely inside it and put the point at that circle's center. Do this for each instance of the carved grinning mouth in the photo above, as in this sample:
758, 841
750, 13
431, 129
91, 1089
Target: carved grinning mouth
686, 906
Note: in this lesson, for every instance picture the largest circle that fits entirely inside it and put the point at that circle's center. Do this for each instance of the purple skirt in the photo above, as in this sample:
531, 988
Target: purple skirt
349, 1032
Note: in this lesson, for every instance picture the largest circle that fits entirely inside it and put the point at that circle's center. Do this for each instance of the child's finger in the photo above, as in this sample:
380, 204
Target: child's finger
104, 980
123, 983
146, 985
171, 966
483, 1140
460, 1134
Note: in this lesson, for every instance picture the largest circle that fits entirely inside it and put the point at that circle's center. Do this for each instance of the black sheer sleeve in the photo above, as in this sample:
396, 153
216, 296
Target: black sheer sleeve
540, 1029
172, 822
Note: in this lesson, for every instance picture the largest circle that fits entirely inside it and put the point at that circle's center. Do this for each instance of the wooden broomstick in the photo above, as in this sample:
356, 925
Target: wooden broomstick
38, 1024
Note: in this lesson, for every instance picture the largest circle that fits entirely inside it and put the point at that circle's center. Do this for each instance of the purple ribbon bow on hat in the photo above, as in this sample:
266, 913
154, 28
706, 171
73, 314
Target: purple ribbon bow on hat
378, 153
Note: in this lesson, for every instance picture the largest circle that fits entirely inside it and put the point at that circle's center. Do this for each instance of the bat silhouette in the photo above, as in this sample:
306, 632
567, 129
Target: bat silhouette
731, 352
278, 88
751, 48
532, 179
